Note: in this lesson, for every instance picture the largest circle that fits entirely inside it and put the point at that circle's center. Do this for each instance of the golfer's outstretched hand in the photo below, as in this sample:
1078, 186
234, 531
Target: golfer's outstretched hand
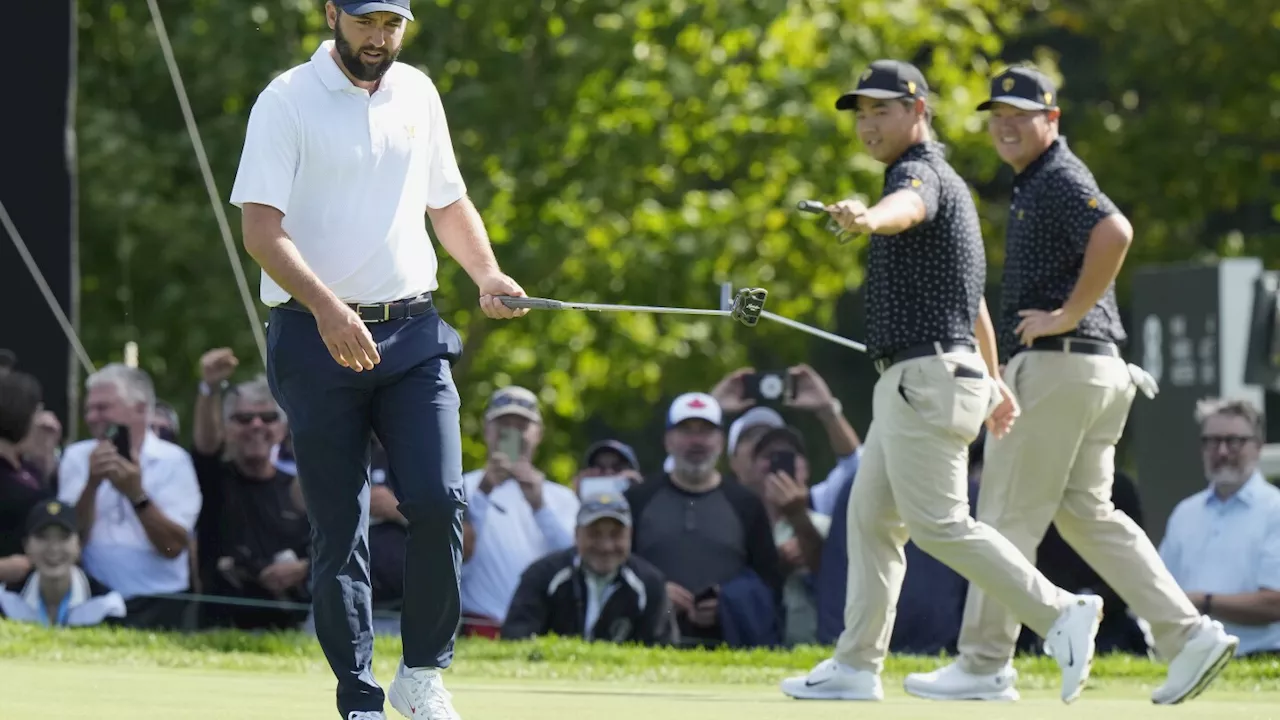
1001, 420
347, 338
494, 286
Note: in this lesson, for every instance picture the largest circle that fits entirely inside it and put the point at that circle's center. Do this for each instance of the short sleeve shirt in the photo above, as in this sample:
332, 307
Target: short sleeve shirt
1056, 204
924, 285
354, 173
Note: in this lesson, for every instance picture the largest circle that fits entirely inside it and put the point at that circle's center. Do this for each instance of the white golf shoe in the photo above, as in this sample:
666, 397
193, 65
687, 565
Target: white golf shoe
953, 683
419, 694
366, 715
830, 680
1071, 643
1206, 653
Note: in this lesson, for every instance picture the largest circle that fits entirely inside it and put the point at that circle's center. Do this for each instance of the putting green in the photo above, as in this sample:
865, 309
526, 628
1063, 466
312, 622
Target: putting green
40, 689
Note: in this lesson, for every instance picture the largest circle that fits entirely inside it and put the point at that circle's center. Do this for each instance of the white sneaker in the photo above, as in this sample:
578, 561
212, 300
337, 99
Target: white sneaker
419, 694
953, 683
366, 715
1197, 664
832, 681
1071, 643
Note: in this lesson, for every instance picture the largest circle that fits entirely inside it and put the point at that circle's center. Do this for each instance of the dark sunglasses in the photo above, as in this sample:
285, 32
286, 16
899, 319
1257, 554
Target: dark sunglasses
1233, 442
245, 418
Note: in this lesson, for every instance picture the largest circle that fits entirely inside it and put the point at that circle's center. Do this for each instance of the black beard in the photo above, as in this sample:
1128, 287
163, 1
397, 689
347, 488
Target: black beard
358, 68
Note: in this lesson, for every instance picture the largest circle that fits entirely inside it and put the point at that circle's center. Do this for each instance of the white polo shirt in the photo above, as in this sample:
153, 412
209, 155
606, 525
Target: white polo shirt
119, 554
354, 174
510, 536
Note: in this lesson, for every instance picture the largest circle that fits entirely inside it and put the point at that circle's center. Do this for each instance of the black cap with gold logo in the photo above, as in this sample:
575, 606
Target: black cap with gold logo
886, 80
1024, 88
51, 513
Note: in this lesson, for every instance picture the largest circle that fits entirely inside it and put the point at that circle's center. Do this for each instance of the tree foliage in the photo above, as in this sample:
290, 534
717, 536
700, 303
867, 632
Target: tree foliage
637, 151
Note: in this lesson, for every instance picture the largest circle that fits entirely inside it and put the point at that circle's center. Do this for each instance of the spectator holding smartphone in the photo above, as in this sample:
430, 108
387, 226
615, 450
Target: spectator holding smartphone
136, 499
515, 513
782, 466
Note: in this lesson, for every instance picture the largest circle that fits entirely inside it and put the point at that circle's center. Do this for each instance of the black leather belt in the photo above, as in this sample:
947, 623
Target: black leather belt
381, 312
1076, 346
923, 350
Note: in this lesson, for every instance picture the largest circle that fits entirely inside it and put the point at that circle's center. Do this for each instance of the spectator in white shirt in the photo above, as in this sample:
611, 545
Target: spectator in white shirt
1223, 543
517, 515
136, 514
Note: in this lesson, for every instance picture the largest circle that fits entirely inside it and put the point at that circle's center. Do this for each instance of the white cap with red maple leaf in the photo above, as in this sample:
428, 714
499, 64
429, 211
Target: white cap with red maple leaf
694, 406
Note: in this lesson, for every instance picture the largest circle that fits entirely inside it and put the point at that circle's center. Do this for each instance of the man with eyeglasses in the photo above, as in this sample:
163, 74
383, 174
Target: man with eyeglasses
1059, 333
1223, 543
252, 536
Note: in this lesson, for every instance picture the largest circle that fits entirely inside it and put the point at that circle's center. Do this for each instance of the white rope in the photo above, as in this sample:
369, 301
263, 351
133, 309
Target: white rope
214, 199
44, 290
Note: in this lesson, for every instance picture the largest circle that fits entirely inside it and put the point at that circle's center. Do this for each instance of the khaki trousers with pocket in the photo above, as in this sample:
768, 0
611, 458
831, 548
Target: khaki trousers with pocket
1058, 465
913, 482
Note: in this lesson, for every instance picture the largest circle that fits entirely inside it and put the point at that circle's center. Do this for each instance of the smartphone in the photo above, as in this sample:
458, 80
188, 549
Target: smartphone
119, 435
783, 462
772, 386
602, 485
511, 444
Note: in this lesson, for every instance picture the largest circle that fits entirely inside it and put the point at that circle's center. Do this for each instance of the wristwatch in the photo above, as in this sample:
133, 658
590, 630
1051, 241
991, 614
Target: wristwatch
206, 390
141, 503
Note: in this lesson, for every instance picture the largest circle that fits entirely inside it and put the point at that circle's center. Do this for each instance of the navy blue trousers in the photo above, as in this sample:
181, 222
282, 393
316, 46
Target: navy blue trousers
411, 402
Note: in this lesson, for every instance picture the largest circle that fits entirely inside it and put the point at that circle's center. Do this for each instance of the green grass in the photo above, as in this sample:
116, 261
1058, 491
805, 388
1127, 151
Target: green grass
114, 674
541, 659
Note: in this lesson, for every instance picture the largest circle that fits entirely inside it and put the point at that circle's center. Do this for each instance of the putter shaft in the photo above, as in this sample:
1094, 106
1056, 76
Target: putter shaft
605, 307
814, 331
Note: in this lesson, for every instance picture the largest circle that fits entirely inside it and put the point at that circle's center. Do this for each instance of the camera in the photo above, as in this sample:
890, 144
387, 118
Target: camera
770, 387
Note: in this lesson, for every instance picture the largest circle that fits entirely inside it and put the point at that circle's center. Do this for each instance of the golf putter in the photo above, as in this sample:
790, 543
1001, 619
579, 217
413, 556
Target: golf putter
813, 207
726, 291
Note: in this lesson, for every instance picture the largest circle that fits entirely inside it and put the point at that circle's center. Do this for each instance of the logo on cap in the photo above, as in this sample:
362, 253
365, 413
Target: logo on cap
53, 508
1048, 98
1007, 84
911, 87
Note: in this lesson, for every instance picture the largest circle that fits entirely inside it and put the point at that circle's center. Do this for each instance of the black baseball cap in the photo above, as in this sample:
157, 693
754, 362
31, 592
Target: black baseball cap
885, 80
364, 7
623, 449
51, 513
1022, 87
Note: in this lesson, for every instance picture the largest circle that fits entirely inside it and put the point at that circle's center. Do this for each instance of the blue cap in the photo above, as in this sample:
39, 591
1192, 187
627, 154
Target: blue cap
621, 448
604, 505
364, 7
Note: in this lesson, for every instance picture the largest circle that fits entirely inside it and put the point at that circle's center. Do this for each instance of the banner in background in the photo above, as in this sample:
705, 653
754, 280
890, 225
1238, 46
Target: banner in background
37, 187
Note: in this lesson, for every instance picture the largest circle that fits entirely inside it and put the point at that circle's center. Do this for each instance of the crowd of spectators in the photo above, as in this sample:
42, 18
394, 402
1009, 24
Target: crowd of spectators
739, 539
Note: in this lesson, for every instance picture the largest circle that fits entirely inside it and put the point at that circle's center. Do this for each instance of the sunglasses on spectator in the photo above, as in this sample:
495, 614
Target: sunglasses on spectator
1233, 442
246, 418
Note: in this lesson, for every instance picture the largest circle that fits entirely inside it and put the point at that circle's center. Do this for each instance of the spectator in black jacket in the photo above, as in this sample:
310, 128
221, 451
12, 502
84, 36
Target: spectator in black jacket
596, 590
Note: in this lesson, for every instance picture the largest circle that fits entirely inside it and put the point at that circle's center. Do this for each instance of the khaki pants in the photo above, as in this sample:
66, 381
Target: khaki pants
1058, 465
913, 482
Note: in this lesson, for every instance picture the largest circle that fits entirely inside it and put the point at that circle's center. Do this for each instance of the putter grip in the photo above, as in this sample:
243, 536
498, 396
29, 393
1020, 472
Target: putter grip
516, 303
811, 206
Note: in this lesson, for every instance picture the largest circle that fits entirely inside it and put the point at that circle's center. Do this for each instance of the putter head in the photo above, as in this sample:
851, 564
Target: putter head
748, 304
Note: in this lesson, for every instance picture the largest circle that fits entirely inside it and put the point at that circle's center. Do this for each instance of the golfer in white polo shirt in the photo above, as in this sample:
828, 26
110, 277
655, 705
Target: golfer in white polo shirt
345, 158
